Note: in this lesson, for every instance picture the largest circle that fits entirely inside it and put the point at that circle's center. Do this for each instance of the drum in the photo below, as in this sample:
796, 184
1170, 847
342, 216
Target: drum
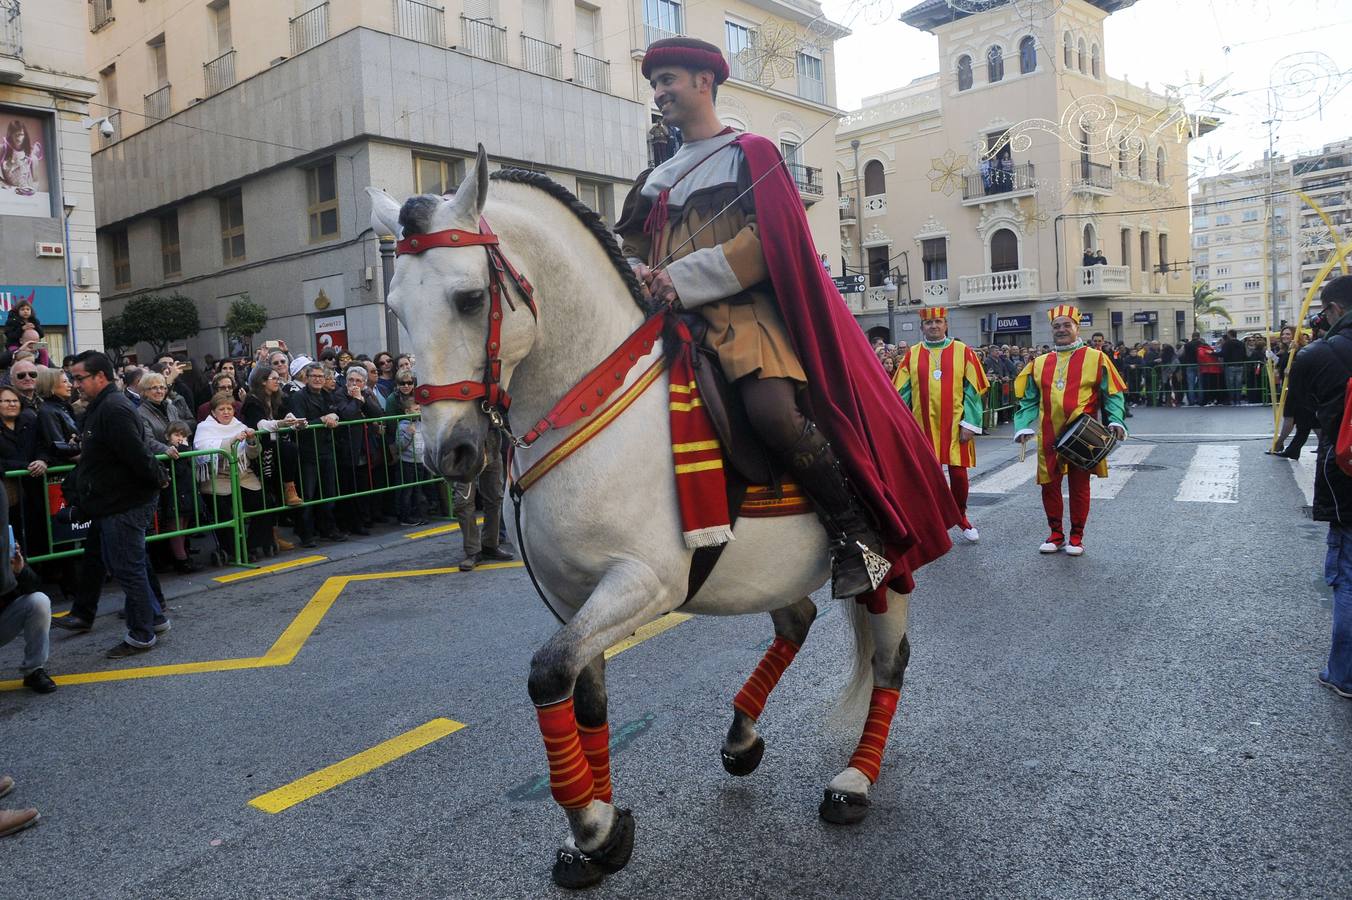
1085, 442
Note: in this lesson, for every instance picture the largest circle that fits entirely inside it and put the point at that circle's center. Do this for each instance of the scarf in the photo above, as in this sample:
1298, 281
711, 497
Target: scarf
212, 435
701, 487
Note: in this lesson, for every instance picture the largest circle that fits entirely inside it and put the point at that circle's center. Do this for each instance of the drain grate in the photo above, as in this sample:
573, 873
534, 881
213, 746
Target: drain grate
986, 499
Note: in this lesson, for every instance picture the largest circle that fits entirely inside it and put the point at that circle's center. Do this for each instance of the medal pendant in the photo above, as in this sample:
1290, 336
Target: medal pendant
1060, 384
938, 374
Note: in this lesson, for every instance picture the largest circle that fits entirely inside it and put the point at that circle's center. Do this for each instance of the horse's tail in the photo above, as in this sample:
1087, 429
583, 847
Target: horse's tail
853, 701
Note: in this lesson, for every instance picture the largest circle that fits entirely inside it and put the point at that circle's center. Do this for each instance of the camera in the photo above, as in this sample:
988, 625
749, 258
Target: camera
106, 128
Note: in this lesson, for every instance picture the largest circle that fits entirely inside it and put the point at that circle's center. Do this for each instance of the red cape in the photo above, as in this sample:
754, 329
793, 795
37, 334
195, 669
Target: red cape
888, 460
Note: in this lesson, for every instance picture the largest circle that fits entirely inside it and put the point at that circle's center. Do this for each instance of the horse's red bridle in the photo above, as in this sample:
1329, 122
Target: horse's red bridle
581, 401
490, 389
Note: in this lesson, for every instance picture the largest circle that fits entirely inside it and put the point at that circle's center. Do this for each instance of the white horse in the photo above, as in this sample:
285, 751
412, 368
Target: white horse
602, 529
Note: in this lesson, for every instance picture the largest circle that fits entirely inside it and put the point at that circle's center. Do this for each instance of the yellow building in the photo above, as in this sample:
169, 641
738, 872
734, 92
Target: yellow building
982, 186
244, 130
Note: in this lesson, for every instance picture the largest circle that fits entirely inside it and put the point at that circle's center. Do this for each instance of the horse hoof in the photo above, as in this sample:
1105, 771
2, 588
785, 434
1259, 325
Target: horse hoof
574, 869
842, 808
744, 763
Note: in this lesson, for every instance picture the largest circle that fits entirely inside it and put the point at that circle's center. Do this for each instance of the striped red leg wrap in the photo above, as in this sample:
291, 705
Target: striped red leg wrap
570, 775
868, 756
750, 700
596, 747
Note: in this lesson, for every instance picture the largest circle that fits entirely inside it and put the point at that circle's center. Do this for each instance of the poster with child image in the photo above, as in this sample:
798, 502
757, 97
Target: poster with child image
24, 179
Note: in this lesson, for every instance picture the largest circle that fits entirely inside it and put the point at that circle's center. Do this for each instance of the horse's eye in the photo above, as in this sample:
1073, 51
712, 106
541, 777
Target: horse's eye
469, 301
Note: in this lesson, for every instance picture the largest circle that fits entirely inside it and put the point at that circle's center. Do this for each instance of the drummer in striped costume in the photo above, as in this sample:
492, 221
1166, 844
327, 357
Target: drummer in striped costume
1052, 390
944, 384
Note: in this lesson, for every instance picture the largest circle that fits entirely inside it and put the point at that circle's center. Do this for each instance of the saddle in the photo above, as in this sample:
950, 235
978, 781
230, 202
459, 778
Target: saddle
742, 450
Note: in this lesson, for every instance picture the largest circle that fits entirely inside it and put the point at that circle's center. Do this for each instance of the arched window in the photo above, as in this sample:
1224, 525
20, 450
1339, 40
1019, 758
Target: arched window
1159, 165
964, 72
1067, 47
1140, 164
1122, 155
1090, 238
1004, 251
875, 182
1027, 55
995, 63
1095, 61
1083, 57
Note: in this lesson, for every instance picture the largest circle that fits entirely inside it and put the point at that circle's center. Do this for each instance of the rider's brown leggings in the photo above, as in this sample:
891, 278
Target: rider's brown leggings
772, 406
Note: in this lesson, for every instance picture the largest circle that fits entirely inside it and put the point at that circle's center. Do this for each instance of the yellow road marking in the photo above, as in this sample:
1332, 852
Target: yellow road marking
652, 629
433, 532
303, 789
268, 570
281, 653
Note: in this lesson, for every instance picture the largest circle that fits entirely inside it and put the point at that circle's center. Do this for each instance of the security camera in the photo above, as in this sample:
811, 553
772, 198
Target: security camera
106, 128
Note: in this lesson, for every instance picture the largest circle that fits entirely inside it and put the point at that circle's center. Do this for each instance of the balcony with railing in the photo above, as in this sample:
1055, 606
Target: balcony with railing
220, 72
157, 105
1102, 281
848, 214
1000, 181
809, 181
998, 287
541, 57
481, 38
1091, 176
100, 13
591, 72
654, 32
11, 29
309, 29
421, 22
935, 293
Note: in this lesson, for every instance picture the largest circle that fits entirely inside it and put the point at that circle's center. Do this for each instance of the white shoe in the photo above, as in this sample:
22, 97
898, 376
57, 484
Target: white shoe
1048, 547
1073, 550
971, 534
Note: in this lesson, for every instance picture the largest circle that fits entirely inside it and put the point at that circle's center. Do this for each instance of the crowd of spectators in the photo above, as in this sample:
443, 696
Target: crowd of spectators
1227, 372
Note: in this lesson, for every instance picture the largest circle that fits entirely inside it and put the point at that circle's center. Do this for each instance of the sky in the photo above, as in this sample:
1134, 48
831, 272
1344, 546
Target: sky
1247, 46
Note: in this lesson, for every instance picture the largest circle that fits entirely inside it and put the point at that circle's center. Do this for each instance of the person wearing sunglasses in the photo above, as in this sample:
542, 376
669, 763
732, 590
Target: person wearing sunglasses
24, 376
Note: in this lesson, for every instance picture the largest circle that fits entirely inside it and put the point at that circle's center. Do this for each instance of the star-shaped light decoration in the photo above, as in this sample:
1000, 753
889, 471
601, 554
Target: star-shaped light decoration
1034, 213
947, 172
773, 53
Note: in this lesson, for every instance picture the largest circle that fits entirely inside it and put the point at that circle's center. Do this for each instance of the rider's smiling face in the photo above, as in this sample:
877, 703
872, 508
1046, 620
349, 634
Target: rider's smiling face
679, 92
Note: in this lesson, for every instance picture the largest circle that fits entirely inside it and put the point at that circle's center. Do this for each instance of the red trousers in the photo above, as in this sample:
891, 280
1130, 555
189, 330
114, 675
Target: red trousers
958, 483
1079, 501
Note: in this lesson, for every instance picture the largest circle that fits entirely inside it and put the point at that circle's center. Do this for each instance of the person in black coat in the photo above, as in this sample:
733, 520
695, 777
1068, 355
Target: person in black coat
318, 457
1234, 356
356, 450
18, 451
1319, 376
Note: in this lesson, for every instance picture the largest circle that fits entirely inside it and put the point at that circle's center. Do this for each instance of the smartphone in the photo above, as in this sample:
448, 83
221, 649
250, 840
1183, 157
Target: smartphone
40, 346
13, 547
272, 345
186, 364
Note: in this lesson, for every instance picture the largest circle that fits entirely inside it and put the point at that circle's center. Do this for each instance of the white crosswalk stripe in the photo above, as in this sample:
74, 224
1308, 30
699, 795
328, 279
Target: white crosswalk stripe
1303, 470
1126, 455
1008, 478
1212, 476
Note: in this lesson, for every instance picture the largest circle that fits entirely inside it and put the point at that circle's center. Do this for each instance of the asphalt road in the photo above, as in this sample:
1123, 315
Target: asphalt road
1143, 720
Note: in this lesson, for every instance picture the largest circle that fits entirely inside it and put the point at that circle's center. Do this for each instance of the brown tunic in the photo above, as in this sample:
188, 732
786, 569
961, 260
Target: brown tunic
745, 330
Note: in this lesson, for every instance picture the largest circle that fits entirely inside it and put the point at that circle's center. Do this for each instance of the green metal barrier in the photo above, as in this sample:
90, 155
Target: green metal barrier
186, 511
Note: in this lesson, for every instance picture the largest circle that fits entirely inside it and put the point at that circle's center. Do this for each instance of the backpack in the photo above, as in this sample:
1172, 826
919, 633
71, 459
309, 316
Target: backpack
1342, 446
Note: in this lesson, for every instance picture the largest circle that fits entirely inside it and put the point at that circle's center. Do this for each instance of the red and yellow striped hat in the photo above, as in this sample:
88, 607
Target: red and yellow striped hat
933, 312
1064, 309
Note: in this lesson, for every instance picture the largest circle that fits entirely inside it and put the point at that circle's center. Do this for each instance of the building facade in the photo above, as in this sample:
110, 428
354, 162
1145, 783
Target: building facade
1325, 178
981, 187
1241, 229
46, 194
236, 167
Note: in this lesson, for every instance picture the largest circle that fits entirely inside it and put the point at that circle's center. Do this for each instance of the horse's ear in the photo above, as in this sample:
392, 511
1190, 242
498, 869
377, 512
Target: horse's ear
384, 213
481, 173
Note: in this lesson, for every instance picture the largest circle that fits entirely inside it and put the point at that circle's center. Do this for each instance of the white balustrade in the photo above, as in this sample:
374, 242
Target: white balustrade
1102, 280
994, 287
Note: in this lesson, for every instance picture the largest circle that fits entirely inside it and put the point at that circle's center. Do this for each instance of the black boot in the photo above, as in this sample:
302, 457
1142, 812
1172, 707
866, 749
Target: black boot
857, 566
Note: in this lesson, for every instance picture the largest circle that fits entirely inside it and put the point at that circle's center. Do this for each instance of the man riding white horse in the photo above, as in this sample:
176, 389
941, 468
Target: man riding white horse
698, 231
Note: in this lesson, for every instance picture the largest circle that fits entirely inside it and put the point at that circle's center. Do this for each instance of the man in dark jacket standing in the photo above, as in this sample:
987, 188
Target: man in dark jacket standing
318, 457
1235, 358
1319, 384
1192, 373
117, 484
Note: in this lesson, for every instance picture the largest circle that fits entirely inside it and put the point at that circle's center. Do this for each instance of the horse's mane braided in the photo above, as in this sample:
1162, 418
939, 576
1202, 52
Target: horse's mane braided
588, 217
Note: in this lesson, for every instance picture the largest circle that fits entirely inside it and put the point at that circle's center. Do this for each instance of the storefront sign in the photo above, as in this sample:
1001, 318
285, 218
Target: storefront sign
1143, 317
49, 303
1014, 323
1086, 318
330, 333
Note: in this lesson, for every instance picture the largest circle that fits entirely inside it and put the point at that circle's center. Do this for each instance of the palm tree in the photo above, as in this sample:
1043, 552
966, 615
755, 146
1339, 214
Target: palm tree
1206, 302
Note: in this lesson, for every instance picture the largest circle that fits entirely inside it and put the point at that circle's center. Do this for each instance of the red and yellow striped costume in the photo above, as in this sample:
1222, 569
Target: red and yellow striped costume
943, 404
1055, 388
